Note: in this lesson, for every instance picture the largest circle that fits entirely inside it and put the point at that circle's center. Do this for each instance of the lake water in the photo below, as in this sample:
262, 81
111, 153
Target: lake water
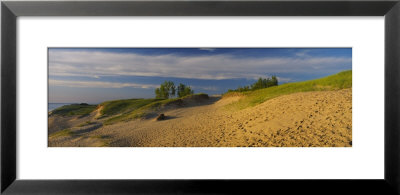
53, 106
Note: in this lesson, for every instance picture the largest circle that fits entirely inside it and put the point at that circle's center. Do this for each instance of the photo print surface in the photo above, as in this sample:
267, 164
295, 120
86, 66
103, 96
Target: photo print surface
200, 97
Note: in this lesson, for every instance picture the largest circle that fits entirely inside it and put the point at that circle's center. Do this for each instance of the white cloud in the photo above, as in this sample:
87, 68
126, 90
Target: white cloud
85, 63
303, 53
208, 88
284, 80
98, 84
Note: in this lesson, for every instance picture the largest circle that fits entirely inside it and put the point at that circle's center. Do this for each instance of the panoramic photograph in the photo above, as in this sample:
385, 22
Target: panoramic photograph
200, 97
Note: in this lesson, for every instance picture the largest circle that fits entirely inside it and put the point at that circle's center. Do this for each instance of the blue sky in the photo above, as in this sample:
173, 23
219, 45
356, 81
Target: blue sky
94, 75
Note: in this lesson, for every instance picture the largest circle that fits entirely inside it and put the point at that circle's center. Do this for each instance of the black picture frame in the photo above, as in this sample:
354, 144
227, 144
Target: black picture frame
11, 10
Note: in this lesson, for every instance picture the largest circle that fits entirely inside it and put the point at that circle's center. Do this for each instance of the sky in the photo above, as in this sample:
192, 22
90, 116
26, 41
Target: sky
94, 75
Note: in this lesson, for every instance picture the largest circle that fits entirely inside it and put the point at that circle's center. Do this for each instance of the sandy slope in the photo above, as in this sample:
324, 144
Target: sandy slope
301, 119
57, 123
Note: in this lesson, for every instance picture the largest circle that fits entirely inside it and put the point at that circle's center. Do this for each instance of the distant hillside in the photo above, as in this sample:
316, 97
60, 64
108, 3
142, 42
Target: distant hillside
139, 108
337, 81
74, 110
111, 112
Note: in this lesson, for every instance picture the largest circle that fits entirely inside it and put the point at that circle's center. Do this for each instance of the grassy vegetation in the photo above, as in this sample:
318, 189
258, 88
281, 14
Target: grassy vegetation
122, 106
139, 112
146, 106
74, 109
86, 123
65, 132
337, 81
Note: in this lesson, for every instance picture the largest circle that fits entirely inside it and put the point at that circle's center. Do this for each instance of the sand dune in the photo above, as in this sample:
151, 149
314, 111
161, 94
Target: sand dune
322, 119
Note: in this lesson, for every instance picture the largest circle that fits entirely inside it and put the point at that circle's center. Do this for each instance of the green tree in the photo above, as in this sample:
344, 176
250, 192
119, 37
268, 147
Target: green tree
183, 90
158, 93
170, 88
166, 90
259, 84
274, 80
